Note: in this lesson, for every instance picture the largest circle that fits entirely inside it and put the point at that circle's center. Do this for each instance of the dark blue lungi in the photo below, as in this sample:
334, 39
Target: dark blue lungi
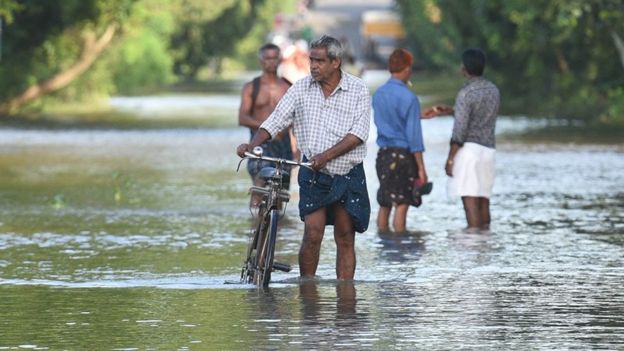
317, 190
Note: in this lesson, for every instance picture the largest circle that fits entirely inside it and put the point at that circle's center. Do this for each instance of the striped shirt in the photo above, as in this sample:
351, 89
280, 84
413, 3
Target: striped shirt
476, 108
320, 123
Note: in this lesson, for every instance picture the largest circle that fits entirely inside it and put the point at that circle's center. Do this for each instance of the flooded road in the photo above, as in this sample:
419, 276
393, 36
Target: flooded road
123, 239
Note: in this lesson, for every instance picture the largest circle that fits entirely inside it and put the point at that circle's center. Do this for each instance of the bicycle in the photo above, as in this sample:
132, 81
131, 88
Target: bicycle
259, 262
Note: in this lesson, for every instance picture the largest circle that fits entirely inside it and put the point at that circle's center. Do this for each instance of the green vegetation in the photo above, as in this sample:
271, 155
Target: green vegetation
561, 58
552, 58
83, 50
438, 87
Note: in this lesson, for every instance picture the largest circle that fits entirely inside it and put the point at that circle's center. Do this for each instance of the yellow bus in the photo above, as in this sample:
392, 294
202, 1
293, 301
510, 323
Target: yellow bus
382, 32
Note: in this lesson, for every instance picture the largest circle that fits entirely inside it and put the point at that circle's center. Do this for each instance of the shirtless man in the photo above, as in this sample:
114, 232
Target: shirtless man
258, 99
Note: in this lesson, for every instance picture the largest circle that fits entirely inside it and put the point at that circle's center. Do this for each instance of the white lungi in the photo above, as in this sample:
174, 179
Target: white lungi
473, 172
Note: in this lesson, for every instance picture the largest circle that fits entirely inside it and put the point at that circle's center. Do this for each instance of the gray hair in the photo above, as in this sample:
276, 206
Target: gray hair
332, 45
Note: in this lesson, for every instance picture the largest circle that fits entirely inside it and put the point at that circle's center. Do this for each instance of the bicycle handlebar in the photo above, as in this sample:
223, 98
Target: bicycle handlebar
278, 160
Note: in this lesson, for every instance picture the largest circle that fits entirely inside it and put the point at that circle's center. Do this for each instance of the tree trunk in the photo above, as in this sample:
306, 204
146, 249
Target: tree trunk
619, 45
93, 47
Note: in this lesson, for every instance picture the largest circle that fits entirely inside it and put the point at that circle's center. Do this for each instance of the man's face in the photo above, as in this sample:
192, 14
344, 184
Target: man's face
269, 60
321, 66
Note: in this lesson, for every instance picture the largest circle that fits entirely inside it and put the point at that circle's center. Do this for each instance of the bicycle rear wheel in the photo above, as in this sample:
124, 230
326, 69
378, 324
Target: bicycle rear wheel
268, 250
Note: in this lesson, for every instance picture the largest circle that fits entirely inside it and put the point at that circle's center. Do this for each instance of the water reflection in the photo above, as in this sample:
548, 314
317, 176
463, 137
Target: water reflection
321, 314
401, 247
314, 306
330, 315
549, 275
478, 240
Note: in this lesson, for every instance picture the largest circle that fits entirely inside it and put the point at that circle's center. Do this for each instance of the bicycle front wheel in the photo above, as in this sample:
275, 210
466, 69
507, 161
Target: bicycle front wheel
253, 262
268, 250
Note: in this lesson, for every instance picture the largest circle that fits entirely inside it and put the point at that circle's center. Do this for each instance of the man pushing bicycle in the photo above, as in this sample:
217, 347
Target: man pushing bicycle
330, 113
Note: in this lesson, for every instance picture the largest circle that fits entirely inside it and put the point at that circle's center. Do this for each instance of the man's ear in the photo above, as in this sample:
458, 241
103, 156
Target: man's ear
337, 62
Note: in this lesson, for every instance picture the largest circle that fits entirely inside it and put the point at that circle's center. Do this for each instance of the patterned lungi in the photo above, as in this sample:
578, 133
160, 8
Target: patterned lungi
317, 190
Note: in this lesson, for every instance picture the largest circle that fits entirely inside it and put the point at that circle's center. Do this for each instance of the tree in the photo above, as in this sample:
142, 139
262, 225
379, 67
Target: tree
559, 56
83, 49
47, 44
207, 33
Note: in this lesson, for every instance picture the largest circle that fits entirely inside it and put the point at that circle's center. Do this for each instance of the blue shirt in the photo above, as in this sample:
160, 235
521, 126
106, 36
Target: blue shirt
397, 117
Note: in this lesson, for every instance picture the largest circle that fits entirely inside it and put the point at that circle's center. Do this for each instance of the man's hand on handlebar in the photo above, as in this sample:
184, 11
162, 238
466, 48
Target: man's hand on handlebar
318, 161
241, 149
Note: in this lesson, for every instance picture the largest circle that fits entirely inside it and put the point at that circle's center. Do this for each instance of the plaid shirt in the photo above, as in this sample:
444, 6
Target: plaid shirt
320, 123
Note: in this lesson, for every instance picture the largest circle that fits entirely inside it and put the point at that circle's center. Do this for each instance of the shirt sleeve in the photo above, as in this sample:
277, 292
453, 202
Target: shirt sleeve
282, 117
414, 127
462, 118
361, 124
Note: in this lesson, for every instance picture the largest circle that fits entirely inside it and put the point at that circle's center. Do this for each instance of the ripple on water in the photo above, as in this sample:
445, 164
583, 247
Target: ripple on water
547, 276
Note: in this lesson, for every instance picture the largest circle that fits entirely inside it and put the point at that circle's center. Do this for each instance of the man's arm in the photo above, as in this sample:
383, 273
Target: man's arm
280, 119
356, 136
245, 118
420, 162
437, 110
448, 167
462, 113
348, 143
259, 137
413, 127
361, 124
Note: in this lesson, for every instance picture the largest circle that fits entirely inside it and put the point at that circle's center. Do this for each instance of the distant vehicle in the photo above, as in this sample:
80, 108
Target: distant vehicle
382, 32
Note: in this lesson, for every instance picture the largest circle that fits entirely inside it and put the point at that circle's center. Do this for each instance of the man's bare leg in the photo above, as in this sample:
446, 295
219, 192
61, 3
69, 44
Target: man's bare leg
256, 199
311, 244
471, 207
484, 213
400, 216
344, 235
383, 218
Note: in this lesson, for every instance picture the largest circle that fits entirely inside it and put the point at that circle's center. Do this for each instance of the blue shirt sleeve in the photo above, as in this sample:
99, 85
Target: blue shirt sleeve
414, 128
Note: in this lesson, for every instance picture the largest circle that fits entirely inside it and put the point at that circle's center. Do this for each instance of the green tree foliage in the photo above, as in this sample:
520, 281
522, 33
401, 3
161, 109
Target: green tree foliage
140, 61
154, 42
555, 57
7, 9
209, 31
246, 52
43, 38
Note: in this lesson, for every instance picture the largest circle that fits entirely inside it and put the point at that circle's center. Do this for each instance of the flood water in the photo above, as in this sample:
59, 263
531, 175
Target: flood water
124, 239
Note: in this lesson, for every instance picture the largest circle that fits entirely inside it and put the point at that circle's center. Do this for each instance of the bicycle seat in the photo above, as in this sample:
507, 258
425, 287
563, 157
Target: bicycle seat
270, 173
